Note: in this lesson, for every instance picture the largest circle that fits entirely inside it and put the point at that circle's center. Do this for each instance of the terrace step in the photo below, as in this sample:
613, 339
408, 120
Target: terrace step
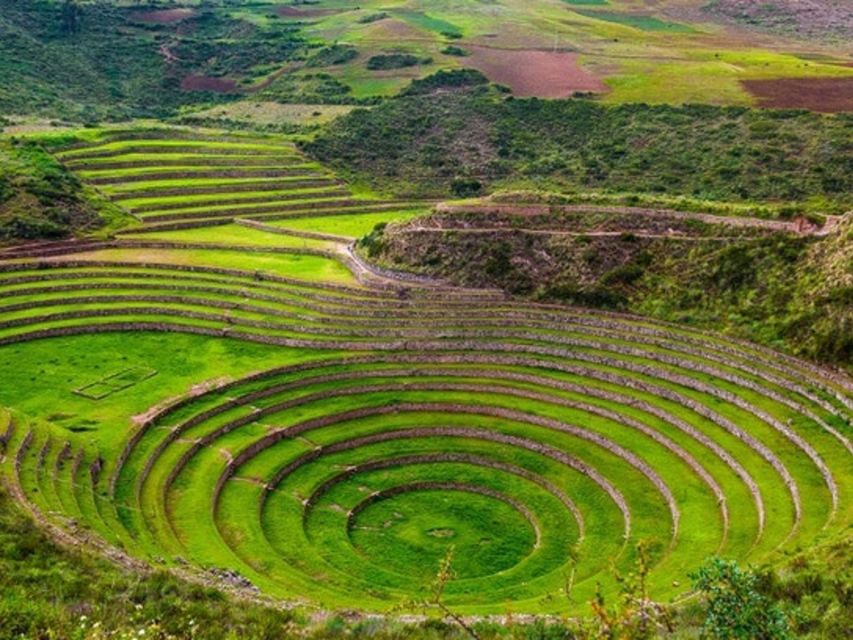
163, 134
214, 203
304, 204
94, 153
207, 171
260, 186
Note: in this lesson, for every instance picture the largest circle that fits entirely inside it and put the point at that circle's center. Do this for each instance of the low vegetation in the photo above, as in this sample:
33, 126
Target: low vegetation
49, 591
113, 65
395, 61
39, 198
413, 145
332, 55
770, 284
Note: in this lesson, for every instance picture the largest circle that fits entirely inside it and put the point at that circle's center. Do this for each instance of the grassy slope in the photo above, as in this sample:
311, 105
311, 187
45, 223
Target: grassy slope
788, 291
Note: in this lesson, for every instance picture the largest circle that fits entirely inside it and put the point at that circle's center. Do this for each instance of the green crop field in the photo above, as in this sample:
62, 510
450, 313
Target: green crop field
636, 51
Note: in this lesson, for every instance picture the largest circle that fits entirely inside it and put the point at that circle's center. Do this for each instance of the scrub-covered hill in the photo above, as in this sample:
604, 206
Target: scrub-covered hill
787, 283
86, 61
442, 139
39, 198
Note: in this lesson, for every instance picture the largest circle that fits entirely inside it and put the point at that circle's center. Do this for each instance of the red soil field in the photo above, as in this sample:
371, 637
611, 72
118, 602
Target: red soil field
209, 83
163, 16
531, 72
828, 95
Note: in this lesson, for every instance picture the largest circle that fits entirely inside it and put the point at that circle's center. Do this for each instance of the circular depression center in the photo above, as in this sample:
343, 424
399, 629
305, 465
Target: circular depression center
410, 529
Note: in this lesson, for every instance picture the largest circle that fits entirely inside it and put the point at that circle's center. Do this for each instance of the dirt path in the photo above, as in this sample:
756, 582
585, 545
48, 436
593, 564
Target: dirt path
559, 232
367, 273
167, 54
799, 226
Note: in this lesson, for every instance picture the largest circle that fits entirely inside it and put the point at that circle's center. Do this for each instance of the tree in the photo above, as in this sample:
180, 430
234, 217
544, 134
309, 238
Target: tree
71, 17
735, 608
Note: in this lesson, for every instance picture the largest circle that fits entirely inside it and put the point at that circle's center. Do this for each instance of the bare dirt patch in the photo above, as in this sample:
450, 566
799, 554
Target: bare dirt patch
163, 16
209, 83
532, 72
828, 95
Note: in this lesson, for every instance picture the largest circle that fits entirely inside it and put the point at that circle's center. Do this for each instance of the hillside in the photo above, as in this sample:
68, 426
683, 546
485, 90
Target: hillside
39, 198
759, 279
470, 140
109, 60
829, 20
84, 60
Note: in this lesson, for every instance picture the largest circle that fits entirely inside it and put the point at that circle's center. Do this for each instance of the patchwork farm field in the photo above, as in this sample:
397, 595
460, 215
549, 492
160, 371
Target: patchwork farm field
624, 51
265, 61
229, 390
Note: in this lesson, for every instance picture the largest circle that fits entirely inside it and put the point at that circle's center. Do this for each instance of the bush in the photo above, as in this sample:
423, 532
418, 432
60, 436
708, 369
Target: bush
373, 17
384, 62
453, 50
735, 608
333, 55
455, 79
466, 187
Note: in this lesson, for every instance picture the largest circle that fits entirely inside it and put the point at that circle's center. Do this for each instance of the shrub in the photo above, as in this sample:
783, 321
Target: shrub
455, 79
333, 55
383, 62
453, 50
466, 187
373, 17
735, 608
